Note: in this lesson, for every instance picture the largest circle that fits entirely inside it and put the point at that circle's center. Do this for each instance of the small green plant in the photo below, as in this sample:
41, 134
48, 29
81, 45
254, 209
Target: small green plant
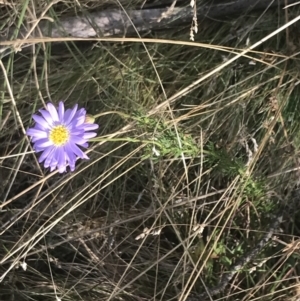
229, 167
222, 162
166, 139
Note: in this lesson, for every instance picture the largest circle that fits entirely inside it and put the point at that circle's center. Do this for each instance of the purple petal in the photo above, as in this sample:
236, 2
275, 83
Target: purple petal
71, 157
79, 117
90, 126
89, 135
53, 112
46, 116
47, 152
35, 139
77, 151
49, 159
53, 163
72, 167
79, 133
41, 128
61, 111
41, 121
62, 168
67, 114
70, 154
36, 133
87, 127
70, 114
45, 142
60, 155
80, 120
38, 149
77, 140
81, 112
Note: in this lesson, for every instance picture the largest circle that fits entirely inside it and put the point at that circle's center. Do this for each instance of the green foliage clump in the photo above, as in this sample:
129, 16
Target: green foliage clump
167, 141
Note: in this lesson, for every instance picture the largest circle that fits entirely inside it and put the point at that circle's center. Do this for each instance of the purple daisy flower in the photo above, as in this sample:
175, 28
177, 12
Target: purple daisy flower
59, 133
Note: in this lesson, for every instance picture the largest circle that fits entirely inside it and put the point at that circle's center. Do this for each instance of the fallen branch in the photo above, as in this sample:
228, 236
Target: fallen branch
120, 23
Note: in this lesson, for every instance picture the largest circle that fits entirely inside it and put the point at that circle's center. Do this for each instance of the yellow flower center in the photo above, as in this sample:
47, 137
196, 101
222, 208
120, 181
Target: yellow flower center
59, 135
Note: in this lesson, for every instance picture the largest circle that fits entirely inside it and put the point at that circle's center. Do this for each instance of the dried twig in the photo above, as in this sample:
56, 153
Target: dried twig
224, 281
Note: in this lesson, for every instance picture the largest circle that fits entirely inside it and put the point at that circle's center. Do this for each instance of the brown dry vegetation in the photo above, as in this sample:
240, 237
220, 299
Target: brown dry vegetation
193, 161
